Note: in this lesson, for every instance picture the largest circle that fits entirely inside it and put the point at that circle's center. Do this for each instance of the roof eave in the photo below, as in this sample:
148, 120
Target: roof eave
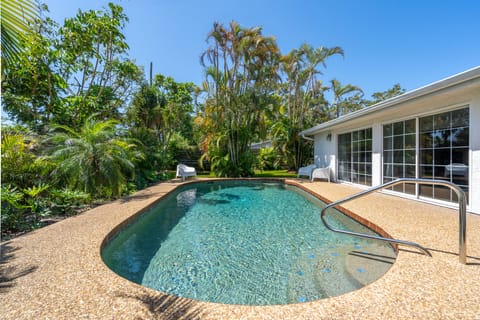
451, 81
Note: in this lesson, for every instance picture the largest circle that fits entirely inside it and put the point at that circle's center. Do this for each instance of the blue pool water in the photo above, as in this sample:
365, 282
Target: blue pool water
250, 243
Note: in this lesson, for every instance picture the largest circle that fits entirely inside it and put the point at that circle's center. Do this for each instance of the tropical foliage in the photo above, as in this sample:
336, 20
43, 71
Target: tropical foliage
66, 73
268, 159
17, 19
241, 66
92, 159
85, 126
303, 100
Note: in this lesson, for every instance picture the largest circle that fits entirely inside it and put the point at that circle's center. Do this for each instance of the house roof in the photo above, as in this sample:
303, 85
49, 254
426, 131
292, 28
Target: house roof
460, 78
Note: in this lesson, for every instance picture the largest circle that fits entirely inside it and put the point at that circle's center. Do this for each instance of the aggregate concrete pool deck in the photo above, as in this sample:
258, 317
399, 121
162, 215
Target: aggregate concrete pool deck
57, 272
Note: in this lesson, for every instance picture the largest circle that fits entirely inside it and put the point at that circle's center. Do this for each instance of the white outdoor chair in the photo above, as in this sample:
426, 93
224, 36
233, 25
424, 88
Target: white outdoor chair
321, 173
306, 171
185, 171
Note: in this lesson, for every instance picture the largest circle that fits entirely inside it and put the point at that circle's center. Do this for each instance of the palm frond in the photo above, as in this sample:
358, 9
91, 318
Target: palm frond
17, 19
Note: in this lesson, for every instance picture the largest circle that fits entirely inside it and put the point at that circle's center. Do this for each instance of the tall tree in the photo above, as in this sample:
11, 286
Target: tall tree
33, 85
65, 74
241, 71
160, 111
303, 99
99, 75
340, 94
387, 94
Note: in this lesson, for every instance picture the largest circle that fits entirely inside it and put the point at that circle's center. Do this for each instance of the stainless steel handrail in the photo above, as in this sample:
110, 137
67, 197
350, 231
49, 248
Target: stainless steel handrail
462, 214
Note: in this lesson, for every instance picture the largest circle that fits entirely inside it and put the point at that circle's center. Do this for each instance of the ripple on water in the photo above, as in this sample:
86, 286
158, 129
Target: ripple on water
245, 243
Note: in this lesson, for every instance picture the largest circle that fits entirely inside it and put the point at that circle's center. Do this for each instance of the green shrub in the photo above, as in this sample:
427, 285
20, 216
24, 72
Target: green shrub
13, 209
267, 159
66, 202
222, 166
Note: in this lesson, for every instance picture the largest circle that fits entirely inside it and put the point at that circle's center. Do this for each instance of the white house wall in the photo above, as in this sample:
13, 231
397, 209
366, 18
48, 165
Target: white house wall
325, 150
475, 154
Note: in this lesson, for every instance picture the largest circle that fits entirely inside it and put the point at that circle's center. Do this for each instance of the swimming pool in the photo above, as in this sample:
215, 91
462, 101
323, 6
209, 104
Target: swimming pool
245, 242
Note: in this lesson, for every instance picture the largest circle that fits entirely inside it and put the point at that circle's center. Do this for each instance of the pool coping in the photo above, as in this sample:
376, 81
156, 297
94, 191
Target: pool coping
57, 272
124, 224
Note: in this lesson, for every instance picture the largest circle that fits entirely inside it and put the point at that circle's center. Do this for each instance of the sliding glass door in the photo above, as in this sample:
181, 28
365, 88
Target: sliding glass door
355, 156
443, 152
444, 149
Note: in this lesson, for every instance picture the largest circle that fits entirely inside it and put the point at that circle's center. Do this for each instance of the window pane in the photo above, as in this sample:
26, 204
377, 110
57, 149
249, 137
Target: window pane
409, 172
361, 145
460, 118
388, 156
398, 156
368, 180
410, 156
368, 145
398, 187
426, 157
426, 172
459, 137
368, 157
355, 157
398, 171
460, 177
442, 193
368, 133
426, 140
362, 157
388, 143
439, 173
441, 121
460, 155
409, 188
361, 168
410, 141
398, 142
388, 130
361, 135
368, 168
426, 190
398, 128
410, 126
442, 156
426, 124
387, 170
441, 138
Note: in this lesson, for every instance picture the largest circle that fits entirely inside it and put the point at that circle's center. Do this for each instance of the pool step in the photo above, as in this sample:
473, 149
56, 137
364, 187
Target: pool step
344, 268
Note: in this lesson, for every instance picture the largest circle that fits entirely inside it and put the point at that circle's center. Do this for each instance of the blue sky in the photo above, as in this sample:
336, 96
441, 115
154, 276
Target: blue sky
411, 42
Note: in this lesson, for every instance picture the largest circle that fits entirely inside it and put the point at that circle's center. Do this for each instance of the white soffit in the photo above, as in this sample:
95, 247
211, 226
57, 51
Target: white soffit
460, 78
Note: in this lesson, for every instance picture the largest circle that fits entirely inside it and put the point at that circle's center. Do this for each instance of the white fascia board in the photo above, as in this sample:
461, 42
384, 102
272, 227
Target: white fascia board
471, 74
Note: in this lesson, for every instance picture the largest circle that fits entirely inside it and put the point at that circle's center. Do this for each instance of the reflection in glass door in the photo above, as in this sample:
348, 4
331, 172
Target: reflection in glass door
355, 157
399, 147
443, 151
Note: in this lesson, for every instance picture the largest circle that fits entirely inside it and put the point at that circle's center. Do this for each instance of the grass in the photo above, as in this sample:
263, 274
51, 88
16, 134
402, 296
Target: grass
275, 174
258, 174
205, 174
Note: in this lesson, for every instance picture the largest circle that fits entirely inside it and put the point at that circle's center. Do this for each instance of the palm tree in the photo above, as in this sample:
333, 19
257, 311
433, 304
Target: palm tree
339, 93
17, 18
304, 96
93, 159
240, 68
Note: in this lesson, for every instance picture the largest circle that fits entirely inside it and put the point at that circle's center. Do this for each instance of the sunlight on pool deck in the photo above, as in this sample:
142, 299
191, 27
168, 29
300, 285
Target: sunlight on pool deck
57, 272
